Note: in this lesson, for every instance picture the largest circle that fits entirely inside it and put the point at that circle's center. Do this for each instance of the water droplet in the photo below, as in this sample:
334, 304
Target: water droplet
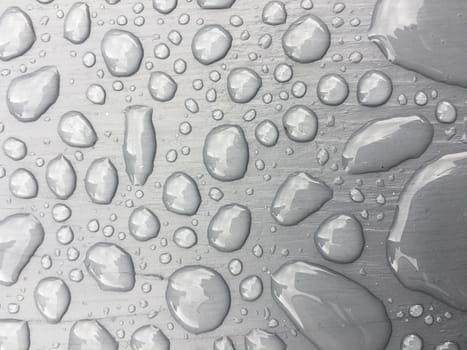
251, 288
299, 196
267, 133
211, 44
23, 184
259, 339
149, 338
380, 145
14, 148
21, 235
89, 334
111, 267
185, 237
340, 239
14, 335
101, 181
29, 96
356, 320
332, 89
198, 298
96, 94
215, 4
243, 84
229, 228
61, 177
139, 147
226, 153
374, 89
65, 235
300, 124
449, 345
17, 33
446, 112
77, 25
181, 194
223, 343
162, 87
143, 224
164, 6
307, 39
76, 130
274, 13
122, 52
412, 342
52, 298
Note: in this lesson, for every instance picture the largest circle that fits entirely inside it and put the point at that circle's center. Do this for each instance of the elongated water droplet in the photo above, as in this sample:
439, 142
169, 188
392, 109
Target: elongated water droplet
101, 181
77, 25
16, 33
52, 298
61, 177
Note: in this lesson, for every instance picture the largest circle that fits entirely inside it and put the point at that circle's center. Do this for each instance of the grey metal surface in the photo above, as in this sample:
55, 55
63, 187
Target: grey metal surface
280, 243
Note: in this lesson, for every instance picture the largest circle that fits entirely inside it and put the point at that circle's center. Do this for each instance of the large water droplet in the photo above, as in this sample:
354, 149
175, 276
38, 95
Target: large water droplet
143, 224
122, 52
14, 335
111, 267
211, 43
149, 338
61, 177
181, 194
16, 33
77, 25
101, 181
226, 153
89, 334
229, 228
429, 227
20, 236
382, 144
307, 39
76, 130
198, 298
243, 84
299, 196
353, 319
52, 298
259, 339
139, 147
29, 96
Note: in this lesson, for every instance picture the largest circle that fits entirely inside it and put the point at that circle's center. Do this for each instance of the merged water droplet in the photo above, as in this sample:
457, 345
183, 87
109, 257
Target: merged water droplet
340, 239
259, 339
101, 181
299, 196
243, 84
332, 89
181, 194
433, 201
149, 338
111, 267
403, 30
139, 147
307, 39
211, 44
229, 228
23, 184
14, 335
52, 298
215, 4
353, 320
122, 52
77, 24
162, 87
380, 145
76, 130
89, 334
226, 153
29, 96
143, 224
374, 88
16, 33
300, 124
61, 177
20, 236
198, 298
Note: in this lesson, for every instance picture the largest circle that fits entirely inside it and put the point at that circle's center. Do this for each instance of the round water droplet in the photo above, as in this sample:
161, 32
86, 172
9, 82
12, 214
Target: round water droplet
181, 194
52, 298
16, 33
89, 334
143, 224
251, 288
243, 84
23, 184
185, 237
76, 130
446, 112
162, 87
274, 13
300, 124
332, 89
374, 88
61, 177
211, 43
267, 133
14, 148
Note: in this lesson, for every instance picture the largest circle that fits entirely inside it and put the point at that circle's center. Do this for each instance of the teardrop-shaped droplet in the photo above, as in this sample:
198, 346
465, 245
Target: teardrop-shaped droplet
14, 335
76, 130
340, 239
16, 33
380, 145
111, 267
259, 339
149, 338
122, 52
20, 236
299, 196
52, 298
198, 298
77, 25
23, 184
30, 95
89, 334
332, 311
143, 224
307, 39
139, 146
229, 228
61, 177
181, 194
211, 43
101, 181
226, 153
